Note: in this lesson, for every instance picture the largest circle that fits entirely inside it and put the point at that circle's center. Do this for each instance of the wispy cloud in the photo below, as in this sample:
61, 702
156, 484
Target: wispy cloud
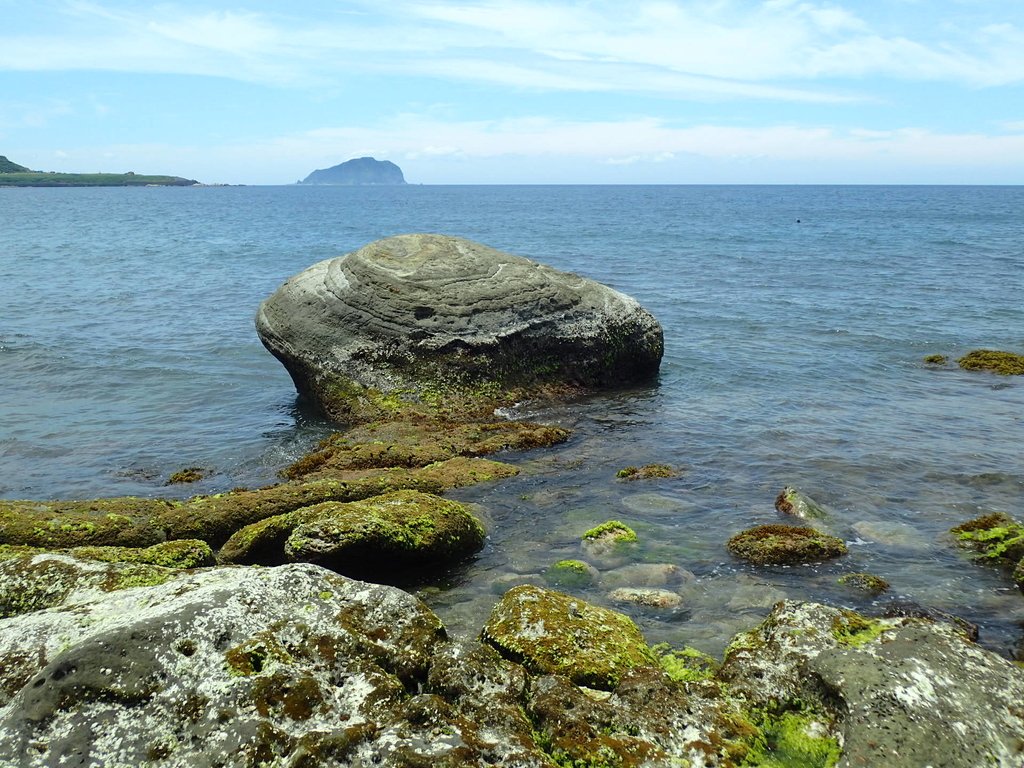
780, 49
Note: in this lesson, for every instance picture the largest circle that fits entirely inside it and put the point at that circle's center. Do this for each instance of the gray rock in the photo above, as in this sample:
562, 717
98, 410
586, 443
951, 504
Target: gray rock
214, 667
423, 315
903, 692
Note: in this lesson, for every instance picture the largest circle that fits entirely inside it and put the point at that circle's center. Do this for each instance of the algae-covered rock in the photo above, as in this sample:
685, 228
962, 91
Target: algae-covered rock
410, 444
187, 475
275, 666
791, 501
424, 321
646, 472
866, 583
936, 359
900, 692
610, 544
35, 581
1003, 363
122, 522
785, 545
996, 537
376, 535
552, 633
571, 574
189, 553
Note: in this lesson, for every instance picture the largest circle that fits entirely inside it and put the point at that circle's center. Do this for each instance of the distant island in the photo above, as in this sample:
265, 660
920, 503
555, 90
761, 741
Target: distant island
14, 175
359, 172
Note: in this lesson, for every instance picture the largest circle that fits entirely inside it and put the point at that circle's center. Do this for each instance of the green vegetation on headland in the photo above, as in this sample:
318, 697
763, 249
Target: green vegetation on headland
14, 175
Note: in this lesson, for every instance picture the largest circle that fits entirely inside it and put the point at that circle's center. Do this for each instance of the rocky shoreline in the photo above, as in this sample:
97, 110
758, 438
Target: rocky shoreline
256, 627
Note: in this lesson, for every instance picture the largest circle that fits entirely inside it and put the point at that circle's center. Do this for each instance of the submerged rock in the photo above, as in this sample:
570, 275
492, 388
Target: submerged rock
552, 633
647, 597
866, 583
646, 472
442, 323
571, 574
610, 544
797, 504
1003, 363
785, 545
998, 539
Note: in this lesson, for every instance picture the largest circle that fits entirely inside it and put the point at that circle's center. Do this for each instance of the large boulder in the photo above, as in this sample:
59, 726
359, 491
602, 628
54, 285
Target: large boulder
430, 318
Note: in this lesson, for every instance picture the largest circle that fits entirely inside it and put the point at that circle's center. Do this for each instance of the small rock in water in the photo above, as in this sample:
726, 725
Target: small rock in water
660, 599
866, 583
655, 504
784, 545
647, 575
571, 574
798, 504
610, 544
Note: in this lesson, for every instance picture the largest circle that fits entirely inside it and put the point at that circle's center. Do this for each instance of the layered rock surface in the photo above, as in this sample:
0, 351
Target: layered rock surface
427, 318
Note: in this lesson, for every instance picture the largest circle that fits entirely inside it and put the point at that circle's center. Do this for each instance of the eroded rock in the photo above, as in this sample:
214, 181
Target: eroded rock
437, 323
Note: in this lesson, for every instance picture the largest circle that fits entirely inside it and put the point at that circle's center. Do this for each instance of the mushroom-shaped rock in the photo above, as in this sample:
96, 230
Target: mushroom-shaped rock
430, 318
552, 633
785, 545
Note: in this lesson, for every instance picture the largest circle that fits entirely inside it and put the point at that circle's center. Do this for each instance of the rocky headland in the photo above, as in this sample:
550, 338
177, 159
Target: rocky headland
263, 628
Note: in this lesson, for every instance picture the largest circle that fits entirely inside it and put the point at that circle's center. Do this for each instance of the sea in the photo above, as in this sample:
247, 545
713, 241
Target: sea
796, 321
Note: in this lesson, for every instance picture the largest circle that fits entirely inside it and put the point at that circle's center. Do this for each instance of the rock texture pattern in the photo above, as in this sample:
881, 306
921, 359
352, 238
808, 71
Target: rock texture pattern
422, 316
114, 664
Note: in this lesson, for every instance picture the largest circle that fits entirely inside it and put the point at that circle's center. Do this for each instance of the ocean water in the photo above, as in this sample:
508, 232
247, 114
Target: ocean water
796, 320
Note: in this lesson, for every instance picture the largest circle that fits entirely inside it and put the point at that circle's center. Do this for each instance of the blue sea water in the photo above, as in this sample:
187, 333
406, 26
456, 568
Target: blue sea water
796, 320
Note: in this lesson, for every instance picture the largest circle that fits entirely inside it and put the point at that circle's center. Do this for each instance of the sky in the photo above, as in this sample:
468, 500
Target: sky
520, 91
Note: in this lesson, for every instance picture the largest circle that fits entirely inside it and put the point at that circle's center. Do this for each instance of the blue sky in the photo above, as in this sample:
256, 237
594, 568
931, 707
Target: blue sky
462, 91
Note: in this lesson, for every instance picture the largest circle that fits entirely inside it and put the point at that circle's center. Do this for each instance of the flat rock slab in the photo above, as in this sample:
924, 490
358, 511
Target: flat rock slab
422, 316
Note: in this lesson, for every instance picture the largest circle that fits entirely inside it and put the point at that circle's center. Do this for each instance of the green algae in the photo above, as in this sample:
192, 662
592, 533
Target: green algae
850, 629
187, 475
550, 632
613, 530
867, 583
685, 665
936, 359
571, 574
1003, 363
995, 536
646, 472
791, 738
784, 545
404, 528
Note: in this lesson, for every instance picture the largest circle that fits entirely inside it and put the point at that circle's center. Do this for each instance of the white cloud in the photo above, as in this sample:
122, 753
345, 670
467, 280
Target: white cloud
728, 48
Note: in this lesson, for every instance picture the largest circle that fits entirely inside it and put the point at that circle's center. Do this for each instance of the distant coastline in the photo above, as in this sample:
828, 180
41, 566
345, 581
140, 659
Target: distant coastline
40, 179
14, 175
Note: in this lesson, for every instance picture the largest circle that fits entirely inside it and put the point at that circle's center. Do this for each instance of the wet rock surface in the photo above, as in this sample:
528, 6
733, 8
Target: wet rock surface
429, 318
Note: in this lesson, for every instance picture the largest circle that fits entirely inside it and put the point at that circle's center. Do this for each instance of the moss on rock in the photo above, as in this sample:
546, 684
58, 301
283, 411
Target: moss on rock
418, 443
571, 574
1003, 363
375, 535
791, 737
867, 583
784, 545
187, 475
645, 472
552, 633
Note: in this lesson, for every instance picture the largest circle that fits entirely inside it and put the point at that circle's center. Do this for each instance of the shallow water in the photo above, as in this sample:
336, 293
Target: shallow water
793, 357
